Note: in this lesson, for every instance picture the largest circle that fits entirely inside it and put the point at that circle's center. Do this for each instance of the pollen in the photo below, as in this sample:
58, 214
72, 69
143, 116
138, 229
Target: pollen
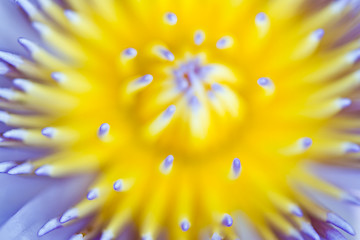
189, 114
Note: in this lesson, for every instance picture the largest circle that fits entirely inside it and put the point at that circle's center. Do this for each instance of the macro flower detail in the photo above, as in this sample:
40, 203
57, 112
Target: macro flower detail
193, 117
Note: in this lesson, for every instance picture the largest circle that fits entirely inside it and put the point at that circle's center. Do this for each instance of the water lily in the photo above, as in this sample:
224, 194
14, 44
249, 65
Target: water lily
183, 119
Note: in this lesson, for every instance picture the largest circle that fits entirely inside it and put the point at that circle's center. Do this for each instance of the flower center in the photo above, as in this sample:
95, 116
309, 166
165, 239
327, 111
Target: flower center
197, 101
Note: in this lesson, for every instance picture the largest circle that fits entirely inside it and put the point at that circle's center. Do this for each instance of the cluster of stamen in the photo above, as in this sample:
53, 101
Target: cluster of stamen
187, 120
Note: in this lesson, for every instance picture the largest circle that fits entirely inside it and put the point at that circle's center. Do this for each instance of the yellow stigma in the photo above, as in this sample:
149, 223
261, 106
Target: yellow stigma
187, 111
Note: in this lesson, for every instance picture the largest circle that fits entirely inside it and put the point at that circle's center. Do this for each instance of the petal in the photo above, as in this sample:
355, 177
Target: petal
47, 204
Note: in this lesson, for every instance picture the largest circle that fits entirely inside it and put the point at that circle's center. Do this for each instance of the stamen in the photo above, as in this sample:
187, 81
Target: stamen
337, 6
8, 94
305, 142
350, 147
199, 37
24, 168
48, 132
284, 204
267, 85
118, 185
225, 42
353, 56
29, 45
340, 223
4, 117
16, 134
349, 198
49, 226
72, 16
318, 34
309, 231
170, 18
122, 185
23, 84
103, 131
147, 236
262, 23
44, 170
72, 82
299, 147
162, 121
107, 235
93, 194
185, 225
344, 102
59, 77
28, 7
79, 237
41, 28
69, 215
3, 69
296, 210
235, 169
216, 236
164, 53
194, 103
166, 165
6, 166
227, 220
139, 83
308, 45
128, 54
12, 59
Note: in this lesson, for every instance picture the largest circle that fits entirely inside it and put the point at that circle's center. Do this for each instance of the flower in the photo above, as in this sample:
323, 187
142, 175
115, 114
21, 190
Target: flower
188, 113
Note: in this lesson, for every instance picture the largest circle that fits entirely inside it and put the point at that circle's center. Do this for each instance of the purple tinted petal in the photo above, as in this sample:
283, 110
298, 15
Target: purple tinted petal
44, 206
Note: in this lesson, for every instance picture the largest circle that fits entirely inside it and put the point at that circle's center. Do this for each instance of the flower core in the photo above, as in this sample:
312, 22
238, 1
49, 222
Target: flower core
204, 108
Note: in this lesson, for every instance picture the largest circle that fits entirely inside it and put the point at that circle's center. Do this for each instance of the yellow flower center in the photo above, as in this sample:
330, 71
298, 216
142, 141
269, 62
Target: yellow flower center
203, 108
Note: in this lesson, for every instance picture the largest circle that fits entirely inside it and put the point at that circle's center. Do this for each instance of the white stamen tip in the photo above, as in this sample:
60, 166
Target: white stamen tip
170, 18
69, 215
24, 168
40, 27
48, 132
6, 166
77, 237
199, 37
58, 77
318, 34
338, 5
3, 68
344, 102
147, 236
12, 59
103, 130
166, 165
7, 93
130, 53
29, 45
107, 235
93, 194
16, 134
44, 170
350, 147
23, 84
216, 236
49, 226
353, 56
72, 16
28, 7
225, 42
4, 117
261, 18
118, 185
